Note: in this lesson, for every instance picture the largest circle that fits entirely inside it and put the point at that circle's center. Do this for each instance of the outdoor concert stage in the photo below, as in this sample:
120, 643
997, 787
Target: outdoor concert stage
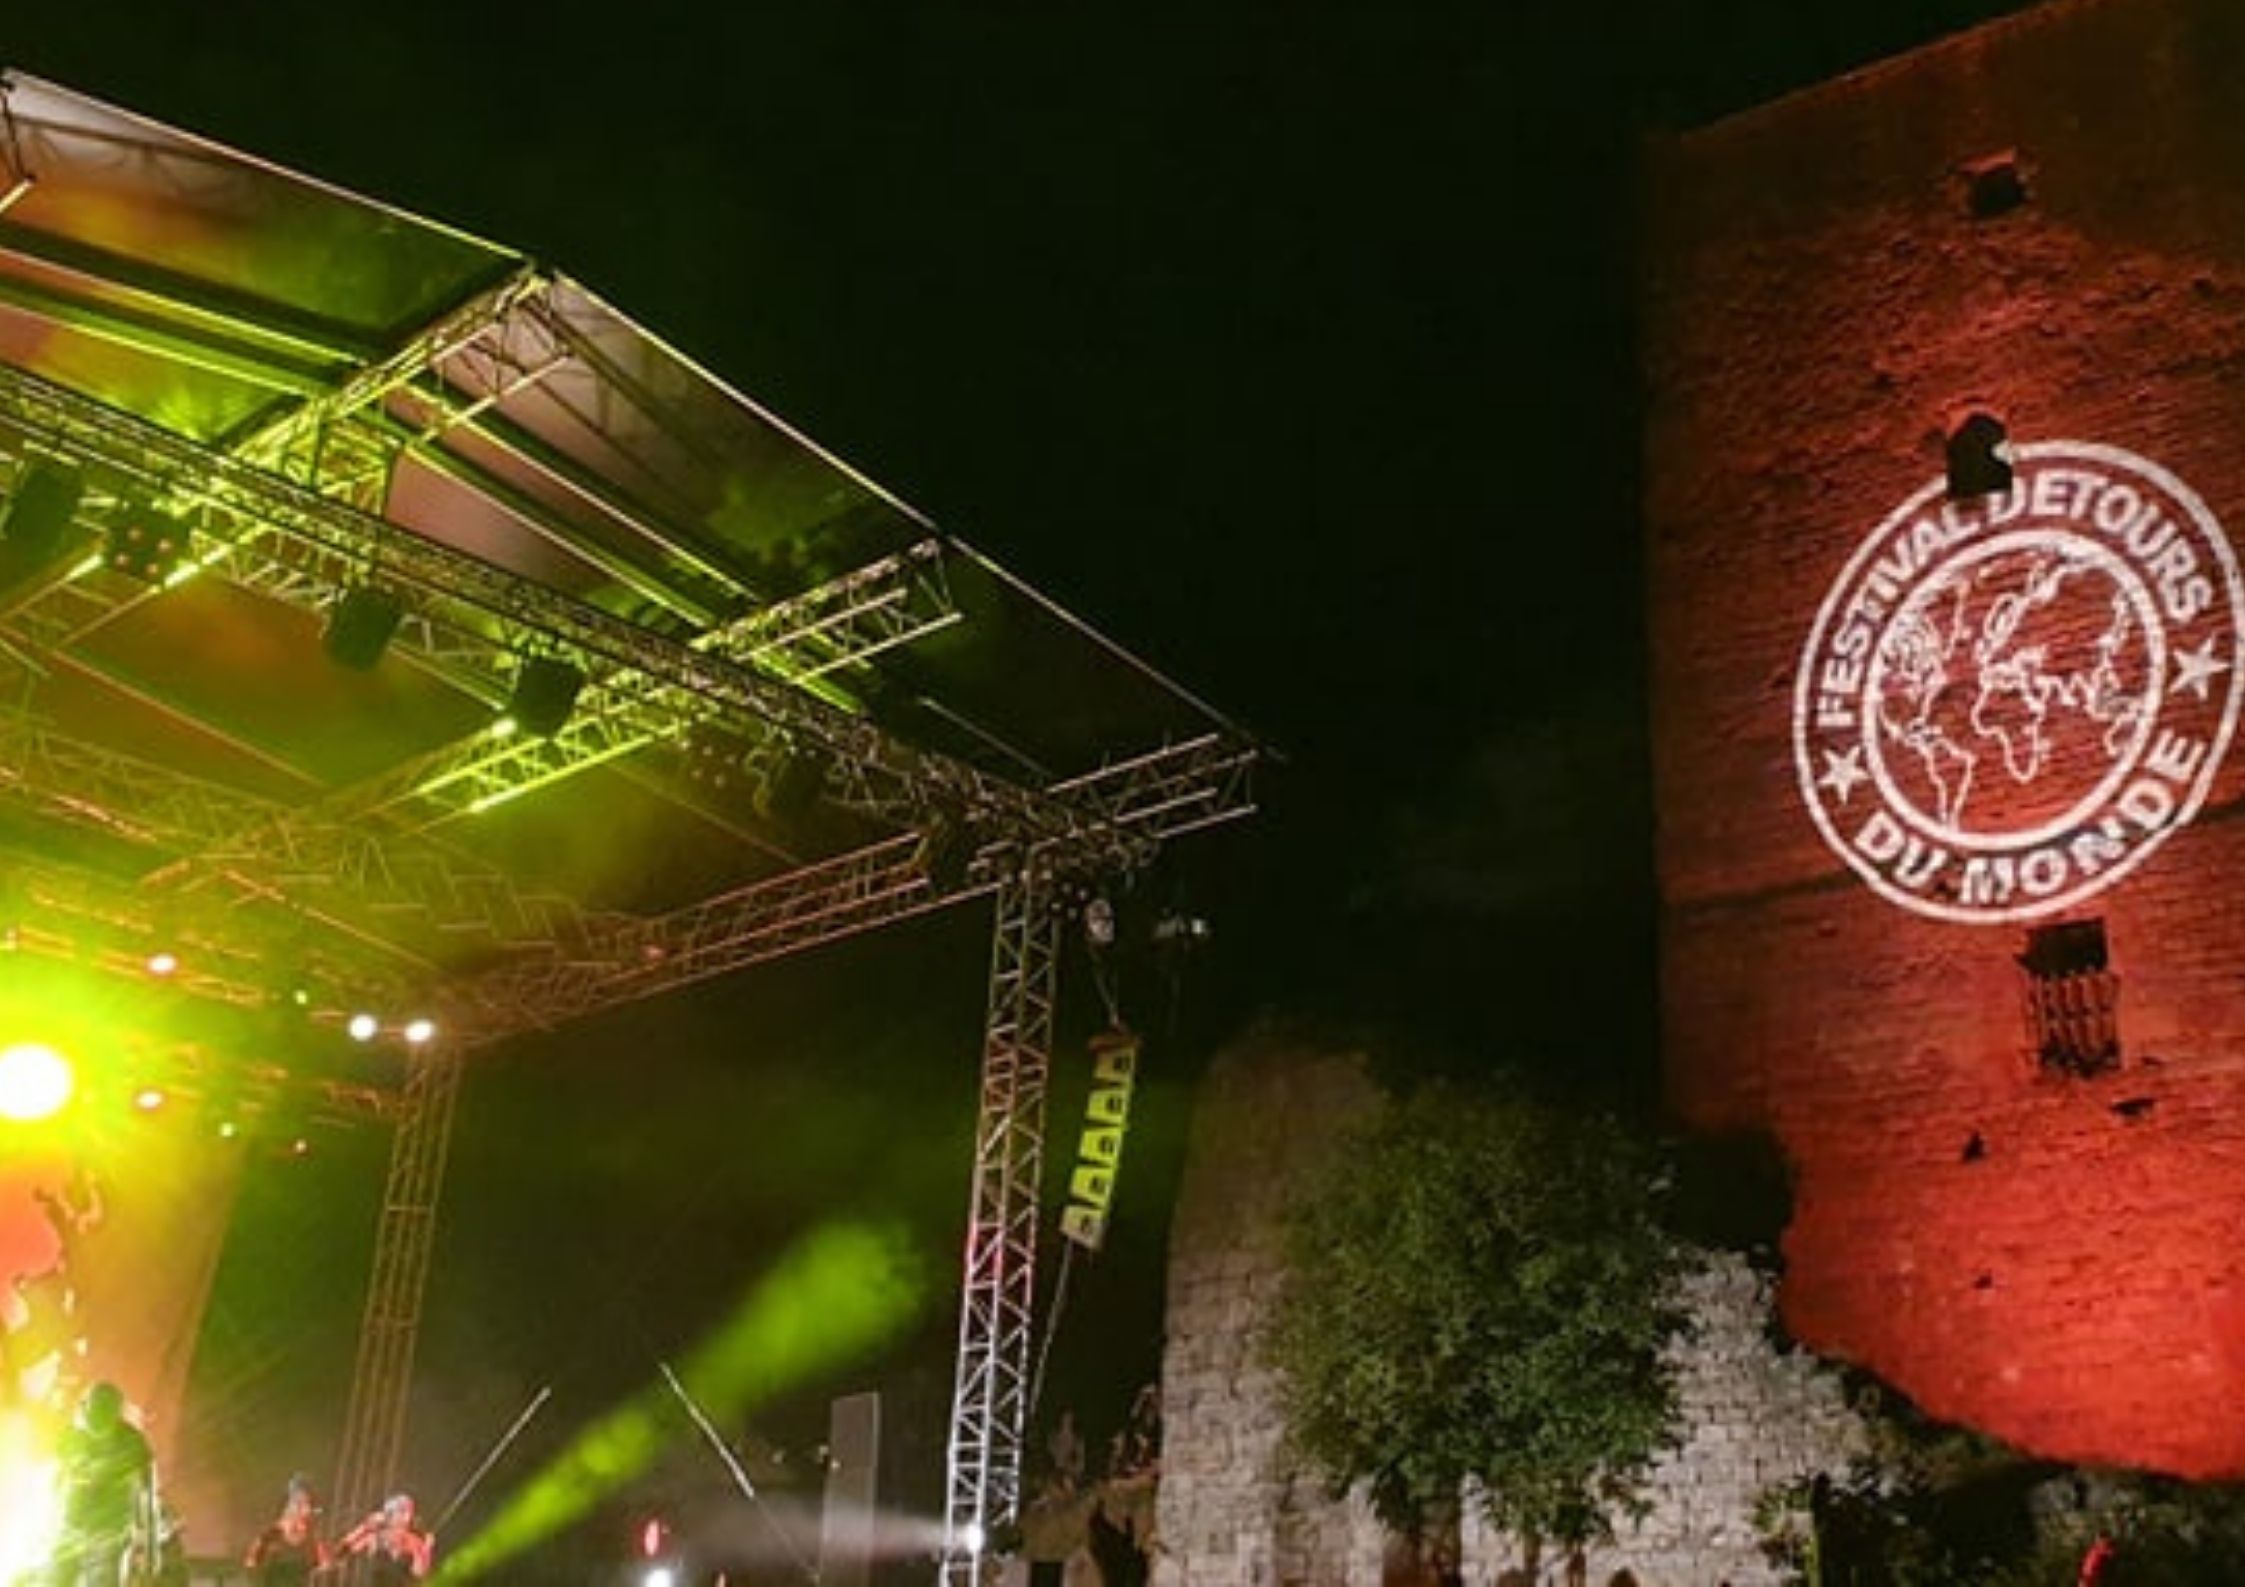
390, 627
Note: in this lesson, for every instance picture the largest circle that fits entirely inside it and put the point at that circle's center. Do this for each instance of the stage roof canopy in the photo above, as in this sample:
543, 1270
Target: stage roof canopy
285, 393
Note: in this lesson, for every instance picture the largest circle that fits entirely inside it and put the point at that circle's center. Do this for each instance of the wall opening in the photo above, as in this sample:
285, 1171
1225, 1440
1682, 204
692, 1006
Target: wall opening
2072, 998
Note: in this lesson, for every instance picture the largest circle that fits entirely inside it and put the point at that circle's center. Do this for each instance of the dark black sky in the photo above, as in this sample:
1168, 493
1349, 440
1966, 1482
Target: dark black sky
1292, 346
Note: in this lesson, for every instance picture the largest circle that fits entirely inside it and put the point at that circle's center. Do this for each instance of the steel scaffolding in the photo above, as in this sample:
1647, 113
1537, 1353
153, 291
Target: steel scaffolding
374, 1421
365, 881
873, 771
990, 1393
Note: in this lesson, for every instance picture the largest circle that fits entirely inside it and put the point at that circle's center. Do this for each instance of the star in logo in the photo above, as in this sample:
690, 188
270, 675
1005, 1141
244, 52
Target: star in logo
2195, 668
1843, 769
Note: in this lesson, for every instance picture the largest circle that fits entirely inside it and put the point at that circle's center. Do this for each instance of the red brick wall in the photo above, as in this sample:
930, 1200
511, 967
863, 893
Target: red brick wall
1820, 308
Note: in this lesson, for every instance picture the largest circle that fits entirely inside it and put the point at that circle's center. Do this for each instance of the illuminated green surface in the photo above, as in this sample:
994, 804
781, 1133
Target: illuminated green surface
835, 1297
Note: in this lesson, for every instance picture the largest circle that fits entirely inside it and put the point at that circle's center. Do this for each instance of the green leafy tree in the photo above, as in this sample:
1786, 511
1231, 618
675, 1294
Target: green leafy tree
1479, 1286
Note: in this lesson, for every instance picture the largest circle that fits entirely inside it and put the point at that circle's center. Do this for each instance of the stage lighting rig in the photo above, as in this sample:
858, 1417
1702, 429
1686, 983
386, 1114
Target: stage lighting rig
1180, 930
947, 849
147, 543
35, 524
359, 626
545, 692
794, 784
711, 756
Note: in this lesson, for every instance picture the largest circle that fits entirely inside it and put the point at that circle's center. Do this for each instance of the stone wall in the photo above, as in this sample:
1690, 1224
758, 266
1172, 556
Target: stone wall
1232, 1513
1754, 1417
1854, 846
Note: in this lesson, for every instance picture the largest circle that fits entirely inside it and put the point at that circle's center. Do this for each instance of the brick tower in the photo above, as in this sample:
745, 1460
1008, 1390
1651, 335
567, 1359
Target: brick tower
1946, 456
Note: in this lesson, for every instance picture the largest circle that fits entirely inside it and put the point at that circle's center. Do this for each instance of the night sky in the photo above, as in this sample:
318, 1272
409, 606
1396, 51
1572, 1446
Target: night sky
1293, 349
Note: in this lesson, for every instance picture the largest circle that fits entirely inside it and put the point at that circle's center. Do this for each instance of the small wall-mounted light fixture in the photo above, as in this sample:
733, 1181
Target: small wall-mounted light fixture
1994, 185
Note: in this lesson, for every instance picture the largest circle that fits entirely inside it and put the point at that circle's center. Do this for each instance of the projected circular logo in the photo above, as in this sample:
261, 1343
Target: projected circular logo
2006, 704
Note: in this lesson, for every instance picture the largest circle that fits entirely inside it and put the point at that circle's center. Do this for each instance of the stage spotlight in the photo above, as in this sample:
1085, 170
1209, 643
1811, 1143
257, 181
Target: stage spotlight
711, 756
1979, 458
946, 851
147, 544
658, 1576
420, 1032
359, 627
545, 692
794, 785
163, 962
148, 1098
300, 1147
971, 1537
1177, 929
228, 1129
363, 1027
35, 1082
36, 522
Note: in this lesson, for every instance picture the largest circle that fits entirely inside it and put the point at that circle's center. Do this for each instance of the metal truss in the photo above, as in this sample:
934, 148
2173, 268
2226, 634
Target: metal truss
840, 624
319, 443
292, 509
323, 876
115, 793
374, 1422
872, 771
292, 444
815, 904
1168, 792
990, 1395
1198, 783
328, 853
293, 539
225, 954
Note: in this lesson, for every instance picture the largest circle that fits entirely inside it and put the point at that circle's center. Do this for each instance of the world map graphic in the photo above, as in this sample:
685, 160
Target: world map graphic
2008, 688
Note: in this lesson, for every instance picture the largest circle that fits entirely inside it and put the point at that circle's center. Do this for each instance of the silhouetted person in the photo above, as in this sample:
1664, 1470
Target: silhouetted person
401, 1552
106, 1477
1115, 1551
287, 1552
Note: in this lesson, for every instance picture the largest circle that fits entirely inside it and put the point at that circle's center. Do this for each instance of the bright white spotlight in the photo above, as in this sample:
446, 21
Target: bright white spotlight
363, 1027
658, 1576
148, 1098
163, 962
30, 1498
35, 1081
420, 1032
972, 1537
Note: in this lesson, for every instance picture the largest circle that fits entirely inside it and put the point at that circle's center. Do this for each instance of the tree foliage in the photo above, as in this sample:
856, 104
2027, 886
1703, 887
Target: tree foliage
1478, 1286
1934, 1505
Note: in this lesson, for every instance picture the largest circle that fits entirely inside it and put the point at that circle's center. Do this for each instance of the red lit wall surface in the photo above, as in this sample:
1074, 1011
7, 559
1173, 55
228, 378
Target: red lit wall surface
1896, 733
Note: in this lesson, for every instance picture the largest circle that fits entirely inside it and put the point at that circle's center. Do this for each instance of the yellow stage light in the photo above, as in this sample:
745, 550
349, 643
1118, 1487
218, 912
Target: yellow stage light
35, 1081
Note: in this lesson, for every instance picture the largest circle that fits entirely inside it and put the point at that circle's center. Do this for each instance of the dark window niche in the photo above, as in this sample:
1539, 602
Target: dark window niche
1977, 456
2072, 998
1994, 186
